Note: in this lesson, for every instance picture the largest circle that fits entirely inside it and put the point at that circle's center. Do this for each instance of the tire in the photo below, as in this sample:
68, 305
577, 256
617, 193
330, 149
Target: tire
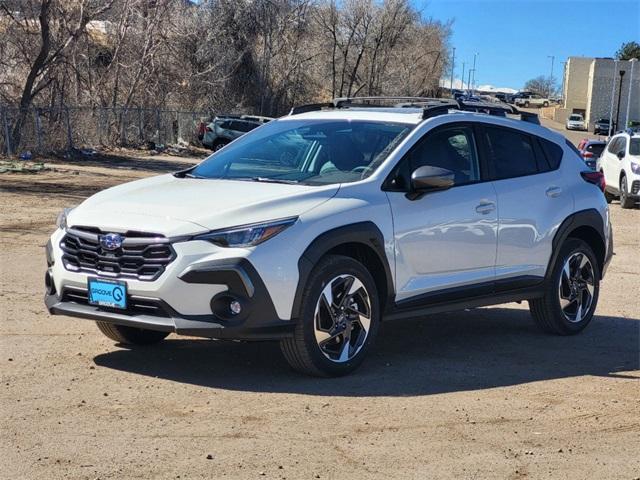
218, 144
526, 104
545, 104
317, 345
548, 311
131, 335
609, 197
625, 201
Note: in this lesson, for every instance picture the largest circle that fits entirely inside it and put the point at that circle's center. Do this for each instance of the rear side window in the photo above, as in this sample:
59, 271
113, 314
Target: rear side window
511, 153
613, 145
553, 152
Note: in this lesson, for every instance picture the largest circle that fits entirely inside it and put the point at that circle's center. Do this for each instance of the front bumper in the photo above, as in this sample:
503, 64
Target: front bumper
214, 282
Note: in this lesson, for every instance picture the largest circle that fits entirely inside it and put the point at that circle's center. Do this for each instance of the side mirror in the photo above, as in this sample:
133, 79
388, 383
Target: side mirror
620, 155
426, 179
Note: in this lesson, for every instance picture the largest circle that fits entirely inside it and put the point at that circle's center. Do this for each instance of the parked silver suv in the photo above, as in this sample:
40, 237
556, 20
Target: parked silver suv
227, 128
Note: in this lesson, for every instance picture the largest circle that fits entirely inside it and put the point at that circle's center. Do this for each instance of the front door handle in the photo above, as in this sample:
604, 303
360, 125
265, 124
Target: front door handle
486, 207
553, 192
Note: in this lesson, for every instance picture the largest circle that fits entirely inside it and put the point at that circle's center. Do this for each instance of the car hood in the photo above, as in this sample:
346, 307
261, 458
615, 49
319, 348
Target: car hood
174, 206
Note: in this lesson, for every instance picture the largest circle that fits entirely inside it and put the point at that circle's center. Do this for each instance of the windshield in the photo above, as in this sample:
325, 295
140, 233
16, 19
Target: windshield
309, 152
634, 146
575, 117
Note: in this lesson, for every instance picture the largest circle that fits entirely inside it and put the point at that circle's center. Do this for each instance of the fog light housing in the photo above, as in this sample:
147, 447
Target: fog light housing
228, 306
235, 307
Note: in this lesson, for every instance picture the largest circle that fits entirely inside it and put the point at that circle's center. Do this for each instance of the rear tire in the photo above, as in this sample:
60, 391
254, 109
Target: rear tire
571, 293
218, 144
131, 335
625, 201
609, 197
339, 320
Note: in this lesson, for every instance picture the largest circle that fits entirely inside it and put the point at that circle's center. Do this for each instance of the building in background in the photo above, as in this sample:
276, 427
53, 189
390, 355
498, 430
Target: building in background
588, 84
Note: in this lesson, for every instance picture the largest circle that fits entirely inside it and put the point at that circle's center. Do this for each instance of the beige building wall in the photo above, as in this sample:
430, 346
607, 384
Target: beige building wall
576, 83
588, 85
603, 75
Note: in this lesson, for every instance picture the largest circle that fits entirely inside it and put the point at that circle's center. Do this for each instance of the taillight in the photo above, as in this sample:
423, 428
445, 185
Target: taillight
587, 155
208, 129
596, 178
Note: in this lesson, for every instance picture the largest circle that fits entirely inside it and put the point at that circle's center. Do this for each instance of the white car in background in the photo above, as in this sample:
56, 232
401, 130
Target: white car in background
576, 122
620, 164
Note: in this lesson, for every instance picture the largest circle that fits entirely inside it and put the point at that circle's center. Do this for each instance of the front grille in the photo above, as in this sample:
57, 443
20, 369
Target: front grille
142, 256
135, 305
635, 187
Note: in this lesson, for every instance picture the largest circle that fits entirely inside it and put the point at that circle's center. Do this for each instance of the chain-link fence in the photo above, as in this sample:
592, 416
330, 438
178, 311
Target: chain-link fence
61, 128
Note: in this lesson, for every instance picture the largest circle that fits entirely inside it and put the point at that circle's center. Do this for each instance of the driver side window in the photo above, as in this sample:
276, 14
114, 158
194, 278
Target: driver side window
451, 148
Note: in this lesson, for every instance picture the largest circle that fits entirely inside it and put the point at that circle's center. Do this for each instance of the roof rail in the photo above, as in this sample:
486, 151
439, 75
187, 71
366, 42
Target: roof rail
431, 107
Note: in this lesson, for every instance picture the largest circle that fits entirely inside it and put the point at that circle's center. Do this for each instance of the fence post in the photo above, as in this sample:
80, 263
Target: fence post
123, 113
6, 131
36, 117
158, 125
69, 137
140, 125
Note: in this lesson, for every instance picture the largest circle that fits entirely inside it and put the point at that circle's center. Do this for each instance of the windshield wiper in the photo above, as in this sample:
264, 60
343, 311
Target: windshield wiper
273, 180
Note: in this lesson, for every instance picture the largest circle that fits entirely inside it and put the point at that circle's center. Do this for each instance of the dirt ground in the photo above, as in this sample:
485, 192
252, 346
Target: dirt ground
469, 395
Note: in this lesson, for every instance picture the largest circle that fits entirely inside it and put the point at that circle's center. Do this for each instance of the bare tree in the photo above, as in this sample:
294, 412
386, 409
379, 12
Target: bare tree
60, 27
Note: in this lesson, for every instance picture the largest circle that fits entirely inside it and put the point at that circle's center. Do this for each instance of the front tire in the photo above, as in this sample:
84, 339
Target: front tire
340, 316
625, 201
130, 335
571, 293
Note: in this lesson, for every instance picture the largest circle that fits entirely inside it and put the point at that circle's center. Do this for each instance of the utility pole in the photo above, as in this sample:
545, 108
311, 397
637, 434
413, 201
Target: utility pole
473, 83
469, 81
633, 64
453, 64
552, 57
462, 78
622, 72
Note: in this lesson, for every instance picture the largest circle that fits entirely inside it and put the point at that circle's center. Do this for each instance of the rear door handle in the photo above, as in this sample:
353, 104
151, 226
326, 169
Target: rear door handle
553, 192
486, 207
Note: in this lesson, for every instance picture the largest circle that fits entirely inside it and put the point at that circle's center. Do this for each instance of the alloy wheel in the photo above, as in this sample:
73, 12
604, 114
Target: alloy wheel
576, 287
342, 318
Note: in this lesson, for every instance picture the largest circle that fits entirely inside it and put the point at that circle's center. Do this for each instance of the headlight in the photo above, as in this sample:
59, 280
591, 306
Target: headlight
247, 235
635, 168
61, 221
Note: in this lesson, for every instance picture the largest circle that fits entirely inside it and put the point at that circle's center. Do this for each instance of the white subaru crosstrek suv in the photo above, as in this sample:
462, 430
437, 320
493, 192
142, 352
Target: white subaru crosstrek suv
315, 227
620, 165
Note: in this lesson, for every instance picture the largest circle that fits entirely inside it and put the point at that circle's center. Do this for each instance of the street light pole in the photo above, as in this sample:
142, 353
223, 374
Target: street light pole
619, 95
453, 64
469, 81
633, 63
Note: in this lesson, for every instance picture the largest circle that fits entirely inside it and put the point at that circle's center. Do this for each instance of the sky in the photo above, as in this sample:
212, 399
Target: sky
513, 38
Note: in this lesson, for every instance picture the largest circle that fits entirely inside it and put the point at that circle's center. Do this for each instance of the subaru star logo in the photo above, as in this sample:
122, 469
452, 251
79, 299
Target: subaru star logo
111, 241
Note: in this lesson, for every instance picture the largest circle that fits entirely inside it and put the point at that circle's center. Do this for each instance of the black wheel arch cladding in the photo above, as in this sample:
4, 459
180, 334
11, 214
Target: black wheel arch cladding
366, 234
